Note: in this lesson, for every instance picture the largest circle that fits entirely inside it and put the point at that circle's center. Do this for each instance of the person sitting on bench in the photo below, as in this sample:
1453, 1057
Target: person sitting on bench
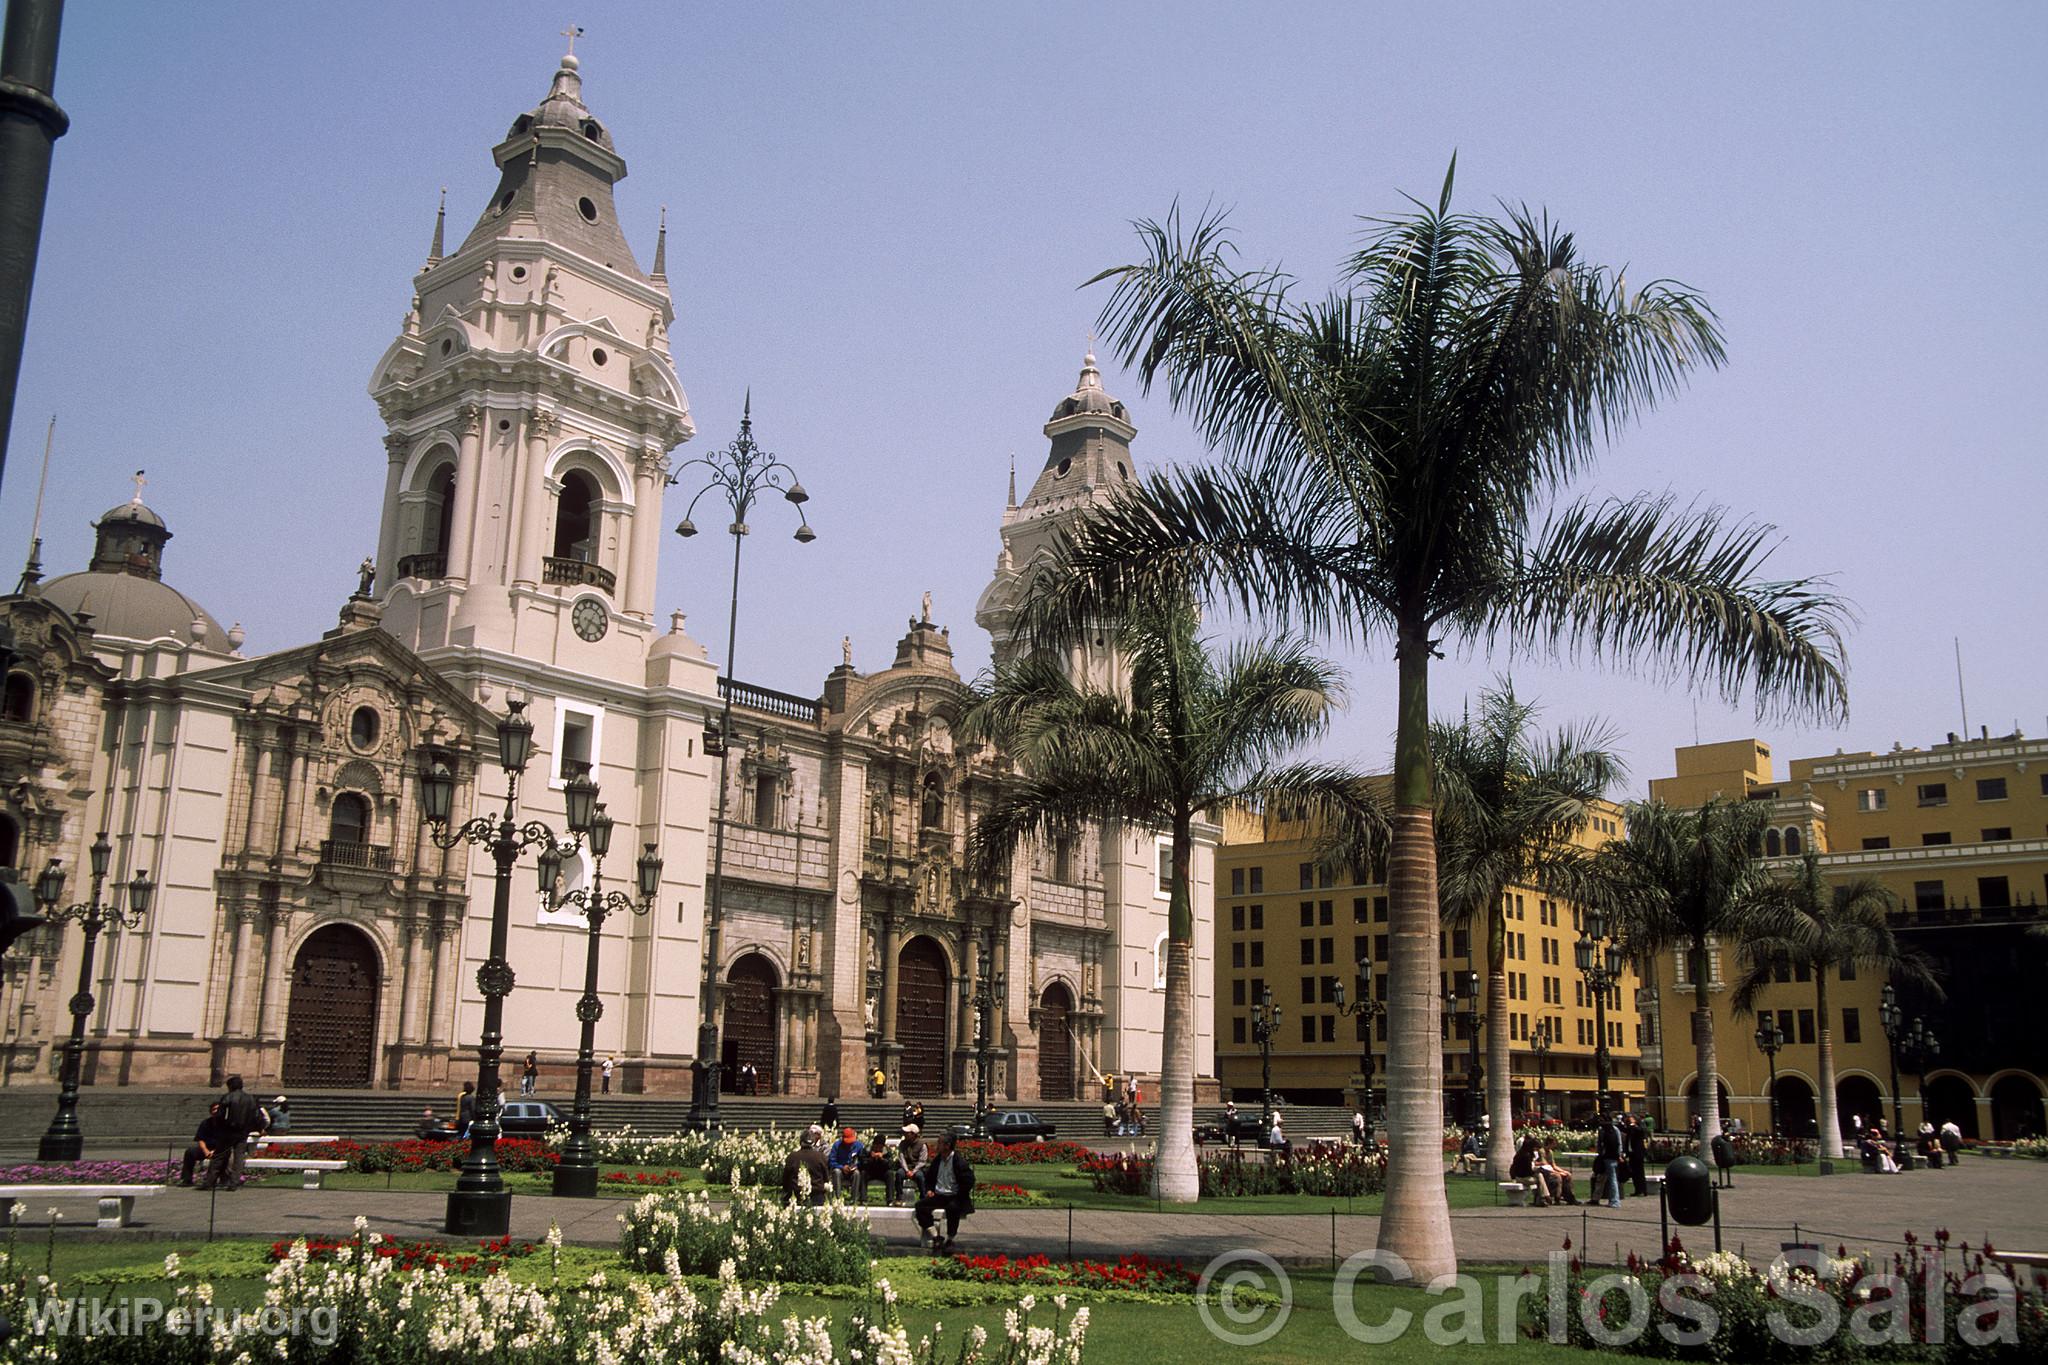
1523, 1168
212, 1133
1470, 1155
945, 1185
1560, 1179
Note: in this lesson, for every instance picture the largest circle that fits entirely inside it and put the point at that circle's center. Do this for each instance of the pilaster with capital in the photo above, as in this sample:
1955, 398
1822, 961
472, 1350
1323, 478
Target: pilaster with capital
396, 446
468, 476
650, 477
529, 497
278, 922
241, 967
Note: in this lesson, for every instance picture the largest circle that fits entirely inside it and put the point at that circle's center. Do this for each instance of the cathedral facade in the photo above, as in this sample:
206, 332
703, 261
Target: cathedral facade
307, 931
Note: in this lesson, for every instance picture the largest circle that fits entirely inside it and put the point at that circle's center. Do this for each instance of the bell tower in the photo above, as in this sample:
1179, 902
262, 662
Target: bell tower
531, 402
1090, 457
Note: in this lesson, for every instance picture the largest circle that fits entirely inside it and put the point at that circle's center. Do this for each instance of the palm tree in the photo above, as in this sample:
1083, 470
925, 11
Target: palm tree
1805, 922
1687, 879
1191, 736
1387, 452
1509, 803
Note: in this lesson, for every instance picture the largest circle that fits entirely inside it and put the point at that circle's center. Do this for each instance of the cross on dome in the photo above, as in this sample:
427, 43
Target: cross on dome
572, 33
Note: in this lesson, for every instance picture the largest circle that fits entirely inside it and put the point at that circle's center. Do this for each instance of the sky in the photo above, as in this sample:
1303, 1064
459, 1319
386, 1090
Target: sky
881, 220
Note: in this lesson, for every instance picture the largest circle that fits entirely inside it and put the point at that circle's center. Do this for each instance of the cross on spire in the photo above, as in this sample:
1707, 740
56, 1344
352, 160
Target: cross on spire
572, 33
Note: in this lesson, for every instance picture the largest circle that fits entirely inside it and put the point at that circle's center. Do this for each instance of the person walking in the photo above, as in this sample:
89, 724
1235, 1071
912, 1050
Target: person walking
1358, 1126
1276, 1139
465, 1109
828, 1117
1635, 1151
529, 1077
945, 1186
605, 1074
240, 1116
208, 1140
1607, 1163
805, 1177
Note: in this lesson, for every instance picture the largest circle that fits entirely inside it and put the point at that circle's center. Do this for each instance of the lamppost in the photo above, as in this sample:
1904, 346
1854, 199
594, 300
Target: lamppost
987, 990
1468, 1006
480, 1205
1600, 961
1769, 1038
576, 1174
1367, 1009
1265, 1024
1539, 1044
1915, 1040
64, 1140
737, 474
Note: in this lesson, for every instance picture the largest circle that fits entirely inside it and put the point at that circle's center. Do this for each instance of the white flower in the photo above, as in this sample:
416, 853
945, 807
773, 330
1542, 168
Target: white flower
171, 1266
362, 1222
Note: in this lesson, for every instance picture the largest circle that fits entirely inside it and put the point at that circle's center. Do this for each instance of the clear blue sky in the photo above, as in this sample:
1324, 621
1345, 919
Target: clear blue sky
880, 215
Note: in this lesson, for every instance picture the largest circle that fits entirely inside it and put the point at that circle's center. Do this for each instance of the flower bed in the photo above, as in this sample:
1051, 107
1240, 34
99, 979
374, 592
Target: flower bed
1751, 1149
1133, 1272
90, 1173
1346, 1172
1023, 1153
625, 1147
487, 1259
414, 1154
751, 1158
761, 1236
653, 1180
1001, 1196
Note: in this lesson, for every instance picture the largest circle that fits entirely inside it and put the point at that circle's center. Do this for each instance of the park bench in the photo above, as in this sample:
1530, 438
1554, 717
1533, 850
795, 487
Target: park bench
2036, 1259
315, 1172
1514, 1192
291, 1139
117, 1202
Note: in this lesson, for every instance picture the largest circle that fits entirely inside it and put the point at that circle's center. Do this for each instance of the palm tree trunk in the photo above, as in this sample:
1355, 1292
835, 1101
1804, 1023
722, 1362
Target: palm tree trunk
1175, 1177
1830, 1121
1415, 1219
1500, 1079
1708, 1065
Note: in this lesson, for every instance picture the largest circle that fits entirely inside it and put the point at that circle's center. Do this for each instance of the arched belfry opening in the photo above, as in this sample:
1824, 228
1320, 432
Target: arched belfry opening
576, 518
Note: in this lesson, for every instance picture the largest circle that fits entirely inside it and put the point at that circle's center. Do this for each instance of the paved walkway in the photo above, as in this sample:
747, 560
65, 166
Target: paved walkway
2004, 1201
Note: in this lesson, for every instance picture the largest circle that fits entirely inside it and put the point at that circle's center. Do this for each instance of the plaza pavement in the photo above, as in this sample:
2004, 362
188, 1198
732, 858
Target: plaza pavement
2004, 1201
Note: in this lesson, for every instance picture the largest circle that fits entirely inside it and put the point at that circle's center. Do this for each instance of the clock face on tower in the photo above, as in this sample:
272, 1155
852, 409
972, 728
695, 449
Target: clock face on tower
590, 618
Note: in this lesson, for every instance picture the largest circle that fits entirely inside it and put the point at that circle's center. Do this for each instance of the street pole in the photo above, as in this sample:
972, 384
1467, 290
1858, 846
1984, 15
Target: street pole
1366, 1009
31, 121
64, 1140
1265, 1021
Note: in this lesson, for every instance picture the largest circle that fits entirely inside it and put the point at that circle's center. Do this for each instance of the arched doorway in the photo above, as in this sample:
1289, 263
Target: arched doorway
921, 1016
1857, 1097
1796, 1108
2015, 1108
749, 1031
1055, 1044
331, 1024
1951, 1099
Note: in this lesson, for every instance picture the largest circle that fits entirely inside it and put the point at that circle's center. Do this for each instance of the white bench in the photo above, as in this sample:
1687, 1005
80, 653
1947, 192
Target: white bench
117, 1202
285, 1139
315, 1171
1514, 1191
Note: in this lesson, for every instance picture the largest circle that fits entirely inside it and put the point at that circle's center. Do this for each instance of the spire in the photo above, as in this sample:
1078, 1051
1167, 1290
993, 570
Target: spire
660, 271
434, 252
1091, 378
1013, 478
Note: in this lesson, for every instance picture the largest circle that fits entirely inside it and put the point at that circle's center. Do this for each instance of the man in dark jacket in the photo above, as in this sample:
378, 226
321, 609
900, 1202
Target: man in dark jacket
208, 1140
1607, 1162
240, 1116
828, 1117
807, 1160
1635, 1150
946, 1184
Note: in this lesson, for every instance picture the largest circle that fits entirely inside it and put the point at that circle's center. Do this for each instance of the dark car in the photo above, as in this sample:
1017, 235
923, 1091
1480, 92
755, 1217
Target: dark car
528, 1118
1018, 1125
1231, 1128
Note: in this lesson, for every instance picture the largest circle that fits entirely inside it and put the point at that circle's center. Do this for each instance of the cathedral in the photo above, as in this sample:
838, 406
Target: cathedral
307, 930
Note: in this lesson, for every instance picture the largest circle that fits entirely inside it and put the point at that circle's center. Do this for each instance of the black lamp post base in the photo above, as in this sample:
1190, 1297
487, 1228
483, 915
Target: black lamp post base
67, 1146
576, 1182
482, 1214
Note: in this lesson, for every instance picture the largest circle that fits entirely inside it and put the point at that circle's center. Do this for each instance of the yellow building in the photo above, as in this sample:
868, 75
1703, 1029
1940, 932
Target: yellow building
1285, 924
1958, 832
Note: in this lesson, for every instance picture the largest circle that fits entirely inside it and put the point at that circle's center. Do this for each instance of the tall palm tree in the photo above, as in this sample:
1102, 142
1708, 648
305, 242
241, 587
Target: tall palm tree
1191, 736
1388, 451
1509, 804
1805, 922
1689, 879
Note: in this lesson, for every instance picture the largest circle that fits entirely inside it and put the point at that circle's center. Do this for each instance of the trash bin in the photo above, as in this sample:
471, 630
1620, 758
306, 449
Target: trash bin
1689, 1191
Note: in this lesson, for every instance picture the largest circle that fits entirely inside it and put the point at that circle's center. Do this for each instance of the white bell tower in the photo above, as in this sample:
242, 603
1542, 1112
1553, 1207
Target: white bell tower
532, 402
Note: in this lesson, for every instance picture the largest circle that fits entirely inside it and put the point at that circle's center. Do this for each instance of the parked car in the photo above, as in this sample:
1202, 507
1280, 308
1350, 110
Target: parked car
528, 1118
1232, 1128
1018, 1125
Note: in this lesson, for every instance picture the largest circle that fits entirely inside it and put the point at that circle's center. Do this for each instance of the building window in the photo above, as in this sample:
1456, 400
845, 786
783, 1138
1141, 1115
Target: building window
1063, 859
1991, 789
1358, 909
1848, 969
578, 731
1258, 883
1308, 1028
1308, 951
1794, 844
1308, 990
1806, 1026
19, 702
1237, 881
1461, 943
1878, 841
1933, 793
1852, 1026
1237, 956
1329, 1028
1997, 834
1774, 844
1994, 893
1308, 914
1237, 1029
1325, 913
349, 821
1329, 949
1870, 798
766, 791
1934, 837
1928, 896
576, 518
1258, 954
1165, 891
1379, 947
363, 727
1785, 1025
1237, 991
1360, 946
1308, 876
1237, 919
1379, 909
1258, 918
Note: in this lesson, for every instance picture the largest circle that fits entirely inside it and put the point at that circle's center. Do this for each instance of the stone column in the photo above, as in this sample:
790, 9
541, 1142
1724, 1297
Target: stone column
642, 560
529, 499
276, 982
414, 998
886, 1025
395, 447
240, 967
468, 474
441, 996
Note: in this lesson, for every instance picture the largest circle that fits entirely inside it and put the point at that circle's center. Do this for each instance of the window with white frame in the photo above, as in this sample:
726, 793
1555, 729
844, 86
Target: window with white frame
1163, 883
579, 736
1159, 962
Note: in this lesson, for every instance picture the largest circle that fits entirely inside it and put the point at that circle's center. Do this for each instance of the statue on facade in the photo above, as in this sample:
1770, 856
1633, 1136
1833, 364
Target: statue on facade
367, 570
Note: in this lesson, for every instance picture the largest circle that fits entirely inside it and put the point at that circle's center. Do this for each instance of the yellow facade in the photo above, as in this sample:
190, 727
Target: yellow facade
1284, 923
1958, 833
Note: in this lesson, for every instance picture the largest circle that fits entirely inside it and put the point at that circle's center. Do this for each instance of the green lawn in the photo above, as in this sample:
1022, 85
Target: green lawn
1119, 1331
1063, 1187
519, 1182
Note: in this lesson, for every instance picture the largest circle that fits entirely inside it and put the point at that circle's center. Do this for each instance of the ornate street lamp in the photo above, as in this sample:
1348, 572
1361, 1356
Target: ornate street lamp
1769, 1038
1468, 1006
64, 1140
988, 989
1367, 1009
576, 1173
1539, 1044
480, 1205
1265, 1024
1601, 961
1919, 1045
738, 475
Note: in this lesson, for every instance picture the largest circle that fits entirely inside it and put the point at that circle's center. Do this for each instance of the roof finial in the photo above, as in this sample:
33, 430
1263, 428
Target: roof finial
1013, 478
434, 252
572, 33
747, 411
661, 246
139, 481
33, 570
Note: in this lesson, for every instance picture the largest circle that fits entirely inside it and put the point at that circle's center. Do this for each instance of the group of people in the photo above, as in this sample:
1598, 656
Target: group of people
1880, 1152
1621, 1147
937, 1172
233, 1124
1123, 1108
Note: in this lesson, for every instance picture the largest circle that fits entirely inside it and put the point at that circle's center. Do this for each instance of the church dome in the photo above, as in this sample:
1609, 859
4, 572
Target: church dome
564, 108
123, 588
1088, 395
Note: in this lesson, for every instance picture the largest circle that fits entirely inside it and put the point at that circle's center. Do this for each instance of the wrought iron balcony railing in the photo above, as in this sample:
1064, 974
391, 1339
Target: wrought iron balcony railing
352, 853
578, 573
423, 566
